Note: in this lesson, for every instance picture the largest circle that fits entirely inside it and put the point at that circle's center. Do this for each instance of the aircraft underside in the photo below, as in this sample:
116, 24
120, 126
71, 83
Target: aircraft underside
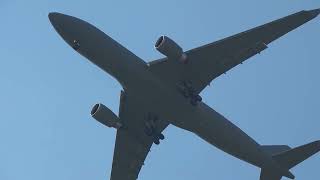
166, 91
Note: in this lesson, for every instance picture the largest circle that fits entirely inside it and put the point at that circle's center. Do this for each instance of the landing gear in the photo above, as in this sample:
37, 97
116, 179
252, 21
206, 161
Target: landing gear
198, 98
151, 130
195, 100
187, 91
156, 141
161, 136
157, 138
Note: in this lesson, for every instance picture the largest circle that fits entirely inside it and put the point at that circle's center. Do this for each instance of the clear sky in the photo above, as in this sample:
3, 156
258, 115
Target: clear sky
47, 89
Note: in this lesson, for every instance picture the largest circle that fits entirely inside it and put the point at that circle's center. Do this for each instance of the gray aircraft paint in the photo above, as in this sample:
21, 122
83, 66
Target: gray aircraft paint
149, 90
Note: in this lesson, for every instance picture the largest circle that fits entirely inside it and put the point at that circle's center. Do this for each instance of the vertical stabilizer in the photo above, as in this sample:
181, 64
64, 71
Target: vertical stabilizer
269, 175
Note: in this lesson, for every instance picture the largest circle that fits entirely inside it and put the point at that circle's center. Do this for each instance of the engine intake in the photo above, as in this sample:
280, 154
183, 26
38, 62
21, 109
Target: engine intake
105, 116
171, 49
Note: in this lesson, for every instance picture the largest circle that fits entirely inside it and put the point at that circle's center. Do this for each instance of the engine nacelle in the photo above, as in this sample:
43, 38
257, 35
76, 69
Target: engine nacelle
171, 49
105, 116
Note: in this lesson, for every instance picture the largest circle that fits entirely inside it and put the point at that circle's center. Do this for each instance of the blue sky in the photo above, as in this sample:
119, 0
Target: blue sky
47, 89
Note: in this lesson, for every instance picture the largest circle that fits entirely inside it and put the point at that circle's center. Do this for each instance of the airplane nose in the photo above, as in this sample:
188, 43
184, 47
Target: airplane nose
56, 19
68, 27
53, 16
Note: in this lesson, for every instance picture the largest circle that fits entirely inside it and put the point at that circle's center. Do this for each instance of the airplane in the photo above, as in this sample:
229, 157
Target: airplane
166, 91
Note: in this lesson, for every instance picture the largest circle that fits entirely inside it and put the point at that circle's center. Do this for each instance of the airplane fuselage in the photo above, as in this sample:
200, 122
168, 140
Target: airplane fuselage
163, 100
201, 119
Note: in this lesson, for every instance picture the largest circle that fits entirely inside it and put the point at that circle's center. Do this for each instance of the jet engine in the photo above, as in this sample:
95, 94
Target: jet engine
171, 49
105, 116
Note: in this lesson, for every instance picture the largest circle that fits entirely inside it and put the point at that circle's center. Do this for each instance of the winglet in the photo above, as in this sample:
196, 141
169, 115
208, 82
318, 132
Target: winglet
314, 12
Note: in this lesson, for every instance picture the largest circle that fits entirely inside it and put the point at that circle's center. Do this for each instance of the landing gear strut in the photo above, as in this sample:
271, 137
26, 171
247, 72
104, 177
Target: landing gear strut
151, 130
187, 91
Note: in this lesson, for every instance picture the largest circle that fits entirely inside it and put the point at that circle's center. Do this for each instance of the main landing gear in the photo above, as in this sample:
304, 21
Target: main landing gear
188, 92
151, 129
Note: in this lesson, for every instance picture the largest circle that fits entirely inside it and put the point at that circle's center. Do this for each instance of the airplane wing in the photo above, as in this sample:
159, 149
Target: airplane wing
207, 62
132, 144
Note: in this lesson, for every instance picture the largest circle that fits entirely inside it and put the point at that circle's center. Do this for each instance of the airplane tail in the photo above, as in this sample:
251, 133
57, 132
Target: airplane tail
287, 158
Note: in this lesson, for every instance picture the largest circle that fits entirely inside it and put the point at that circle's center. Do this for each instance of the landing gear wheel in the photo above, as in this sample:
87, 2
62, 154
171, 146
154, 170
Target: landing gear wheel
161, 136
156, 141
198, 98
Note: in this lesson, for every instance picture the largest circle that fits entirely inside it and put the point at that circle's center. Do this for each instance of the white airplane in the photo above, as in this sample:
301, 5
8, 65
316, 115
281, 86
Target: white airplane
166, 91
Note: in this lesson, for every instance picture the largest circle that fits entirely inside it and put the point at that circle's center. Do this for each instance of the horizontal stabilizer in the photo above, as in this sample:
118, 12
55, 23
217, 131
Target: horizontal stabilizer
291, 158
